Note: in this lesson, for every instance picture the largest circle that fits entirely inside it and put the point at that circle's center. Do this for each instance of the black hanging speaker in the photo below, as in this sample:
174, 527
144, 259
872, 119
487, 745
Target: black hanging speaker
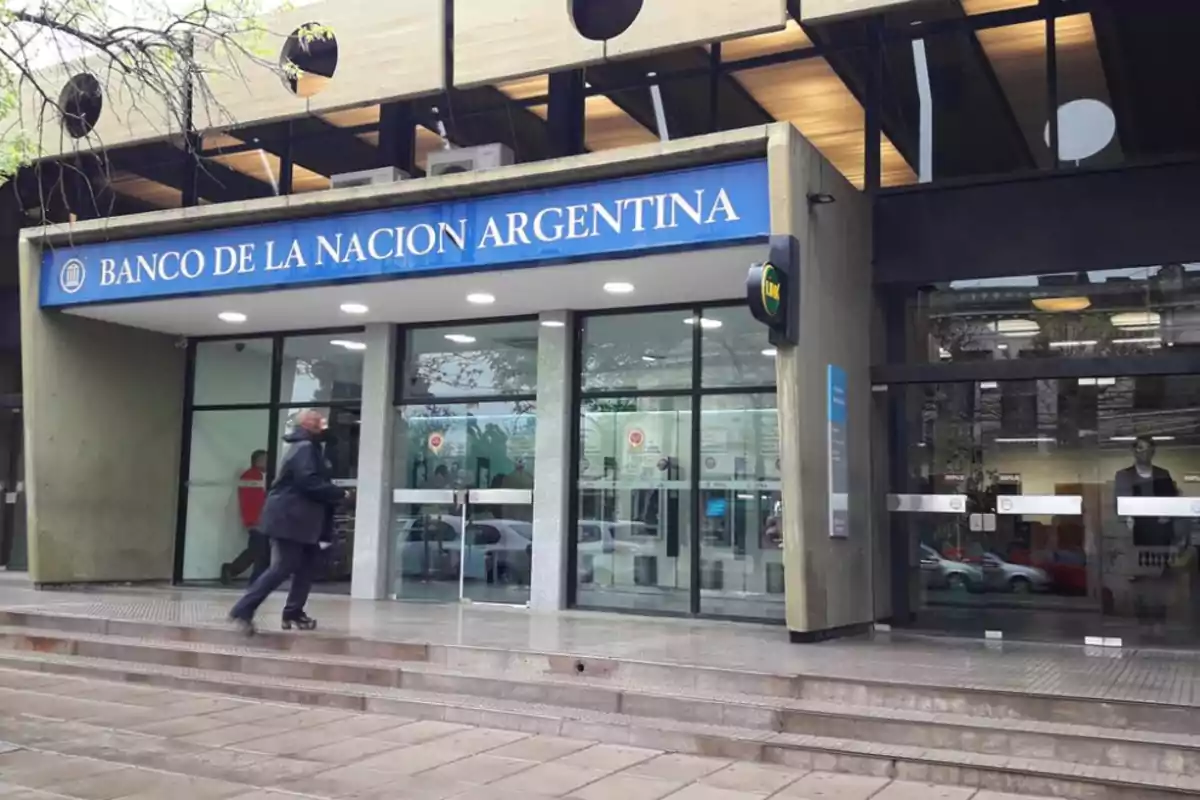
600, 20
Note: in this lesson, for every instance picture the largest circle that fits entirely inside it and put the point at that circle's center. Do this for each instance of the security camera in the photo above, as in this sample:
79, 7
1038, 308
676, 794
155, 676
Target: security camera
240, 346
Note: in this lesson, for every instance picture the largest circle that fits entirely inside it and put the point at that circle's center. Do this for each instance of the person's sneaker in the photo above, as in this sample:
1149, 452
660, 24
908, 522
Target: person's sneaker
244, 626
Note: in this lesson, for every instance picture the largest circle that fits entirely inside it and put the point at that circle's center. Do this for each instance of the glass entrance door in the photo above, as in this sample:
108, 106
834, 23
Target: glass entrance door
1057, 509
463, 545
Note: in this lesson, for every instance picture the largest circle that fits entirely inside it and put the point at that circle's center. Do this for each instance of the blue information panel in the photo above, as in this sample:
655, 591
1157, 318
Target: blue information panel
716, 204
839, 474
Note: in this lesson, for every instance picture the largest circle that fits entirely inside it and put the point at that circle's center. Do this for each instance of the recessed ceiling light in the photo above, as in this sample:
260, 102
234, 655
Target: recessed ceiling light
1163, 438
354, 308
349, 344
770, 352
650, 359
233, 317
618, 287
553, 323
705, 322
481, 298
1137, 320
460, 338
1056, 305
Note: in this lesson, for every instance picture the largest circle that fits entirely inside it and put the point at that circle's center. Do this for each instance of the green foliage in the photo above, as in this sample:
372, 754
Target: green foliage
145, 51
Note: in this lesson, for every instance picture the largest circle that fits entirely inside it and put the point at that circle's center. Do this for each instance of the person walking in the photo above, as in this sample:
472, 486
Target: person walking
297, 519
252, 496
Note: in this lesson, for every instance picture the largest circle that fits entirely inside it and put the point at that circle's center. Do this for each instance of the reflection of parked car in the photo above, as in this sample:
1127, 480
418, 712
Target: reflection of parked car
500, 549
939, 572
608, 551
1003, 576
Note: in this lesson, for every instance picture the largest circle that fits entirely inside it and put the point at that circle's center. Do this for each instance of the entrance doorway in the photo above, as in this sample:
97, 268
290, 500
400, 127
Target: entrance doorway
13, 551
1064, 509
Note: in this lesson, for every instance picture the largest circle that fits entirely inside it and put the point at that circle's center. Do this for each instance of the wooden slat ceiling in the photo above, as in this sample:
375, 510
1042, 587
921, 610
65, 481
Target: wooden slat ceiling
988, 6
607, 127
1018, 56
811, 96
806, 93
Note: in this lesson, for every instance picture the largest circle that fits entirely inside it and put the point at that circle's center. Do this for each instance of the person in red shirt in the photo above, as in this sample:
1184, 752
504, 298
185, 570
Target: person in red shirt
252, 496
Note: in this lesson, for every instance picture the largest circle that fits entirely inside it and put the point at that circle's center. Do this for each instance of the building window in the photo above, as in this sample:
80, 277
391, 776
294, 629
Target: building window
245, 396
677, 464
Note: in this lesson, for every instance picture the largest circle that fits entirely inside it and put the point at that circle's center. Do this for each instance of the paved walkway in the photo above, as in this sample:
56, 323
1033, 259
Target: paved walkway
1140, 675
91, 740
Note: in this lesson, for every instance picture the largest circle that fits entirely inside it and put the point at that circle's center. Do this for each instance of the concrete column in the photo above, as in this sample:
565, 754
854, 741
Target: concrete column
373, 509
829, 582
552, 471
103, 426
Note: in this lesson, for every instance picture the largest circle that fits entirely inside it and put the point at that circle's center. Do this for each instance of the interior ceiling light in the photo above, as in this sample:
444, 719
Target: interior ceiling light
553, 323
1058, 305
354, 308
1136, 319
460, 338
481, 298
618, 287
770, 352
349, 344
705, 322
232, 317
1075, 343
1015, 327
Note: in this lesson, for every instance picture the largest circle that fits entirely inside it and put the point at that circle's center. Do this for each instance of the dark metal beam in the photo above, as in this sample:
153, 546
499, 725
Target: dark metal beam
566, 112
398, 136
316, 145
214, 181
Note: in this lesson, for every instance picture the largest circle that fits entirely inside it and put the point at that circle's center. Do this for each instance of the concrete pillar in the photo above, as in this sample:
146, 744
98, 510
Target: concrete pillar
103, 426
552, 471
373, 508
829, 581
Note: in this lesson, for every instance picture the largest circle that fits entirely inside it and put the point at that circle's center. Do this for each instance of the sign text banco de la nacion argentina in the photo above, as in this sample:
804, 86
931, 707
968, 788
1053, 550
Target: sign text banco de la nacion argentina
715, 204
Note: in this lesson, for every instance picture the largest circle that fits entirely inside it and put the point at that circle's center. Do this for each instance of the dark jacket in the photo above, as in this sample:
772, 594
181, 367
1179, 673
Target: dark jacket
301, 501
1148, 531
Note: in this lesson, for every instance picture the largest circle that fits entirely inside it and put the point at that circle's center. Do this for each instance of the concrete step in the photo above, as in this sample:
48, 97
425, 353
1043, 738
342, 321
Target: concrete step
1002, 773
1067, 742
586, 673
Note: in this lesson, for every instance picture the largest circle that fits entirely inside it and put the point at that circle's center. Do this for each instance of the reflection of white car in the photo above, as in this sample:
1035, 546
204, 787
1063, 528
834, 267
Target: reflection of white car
430, 546
598, 536
607, 550
1003, 576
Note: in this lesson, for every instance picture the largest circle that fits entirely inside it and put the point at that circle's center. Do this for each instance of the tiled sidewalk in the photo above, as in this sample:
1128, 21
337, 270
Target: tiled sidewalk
1148, 676
75, 738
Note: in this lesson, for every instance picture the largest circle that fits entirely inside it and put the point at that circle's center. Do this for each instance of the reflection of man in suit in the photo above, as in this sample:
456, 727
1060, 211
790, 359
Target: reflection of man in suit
1143, 479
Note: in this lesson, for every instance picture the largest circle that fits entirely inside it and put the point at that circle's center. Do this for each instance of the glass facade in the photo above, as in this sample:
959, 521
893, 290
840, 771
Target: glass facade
678, 469
1050, 496
245, 396
1099, 314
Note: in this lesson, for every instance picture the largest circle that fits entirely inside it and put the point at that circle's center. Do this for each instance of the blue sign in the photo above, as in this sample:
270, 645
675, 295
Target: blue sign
839, 465
709, 205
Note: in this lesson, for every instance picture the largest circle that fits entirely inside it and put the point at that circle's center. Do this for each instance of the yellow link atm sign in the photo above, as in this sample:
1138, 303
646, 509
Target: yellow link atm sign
772, 290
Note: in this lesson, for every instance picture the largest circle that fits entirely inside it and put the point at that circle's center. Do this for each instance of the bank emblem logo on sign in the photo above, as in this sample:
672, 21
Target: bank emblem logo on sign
772, 290
72, 276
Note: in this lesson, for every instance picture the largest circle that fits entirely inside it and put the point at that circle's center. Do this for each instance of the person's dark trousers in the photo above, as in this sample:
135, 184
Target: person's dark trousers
289, 559
256, 554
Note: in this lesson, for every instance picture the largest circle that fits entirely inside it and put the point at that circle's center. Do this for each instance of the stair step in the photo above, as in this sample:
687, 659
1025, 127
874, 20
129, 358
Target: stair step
744, 710
906, 762
586, 678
